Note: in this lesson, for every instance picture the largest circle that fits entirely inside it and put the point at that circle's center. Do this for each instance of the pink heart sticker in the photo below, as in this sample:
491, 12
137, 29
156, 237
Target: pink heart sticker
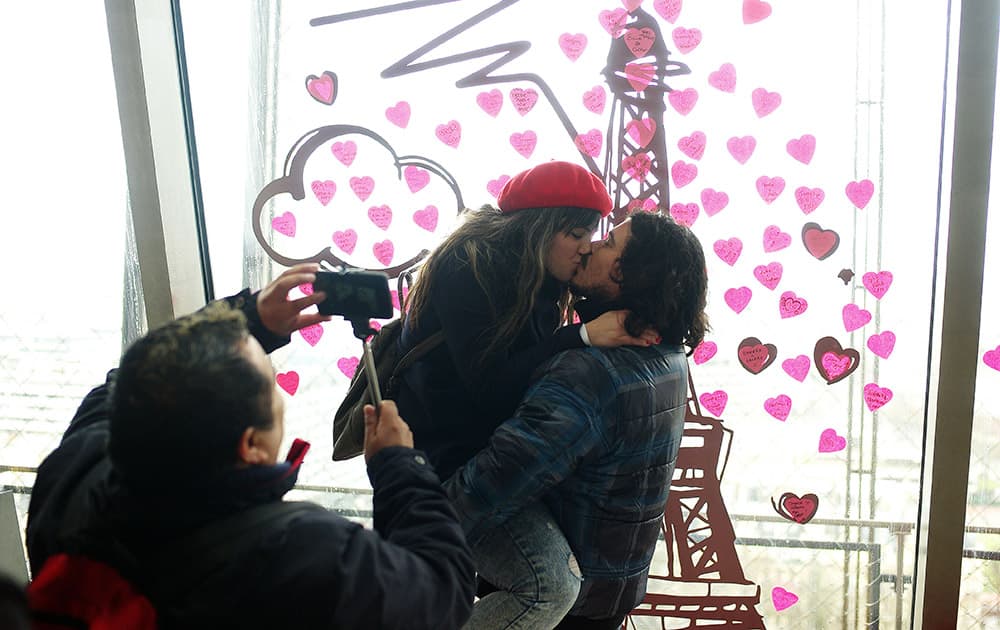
594, 99
641, 131
882, 344
860, 193
876, 397
797, 368
764, 102
855, 317
631, 5
737, 299
306, 289
323, 88
524, 143
835, 364
830, 442
775, 239
683, 173
384, 251
416, 177
637, 166
573, 45
741, 148
284, 224
791, 305
381, 216
769, 275
642, 205
724, 78
345, 152
992, 358
523, 99
639, 41
819, 243
684, 213
348, 365
779, 407
704, 351
399, 114
494, 186
345, 240
781, 598
288, 381
713, 201
590, 143
449, 133
324, 190
770, 187
683, 100
669, 10
394, 295
426, 218
686, 39
754, 11
362, 186
714, 402
312, 334
802, 149
809, 198
613, 21
490, 102
640, 75
877, 283
692, 146
728, 250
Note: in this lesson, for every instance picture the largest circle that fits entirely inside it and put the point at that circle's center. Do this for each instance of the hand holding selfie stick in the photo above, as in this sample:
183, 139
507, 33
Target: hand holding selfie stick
363, 330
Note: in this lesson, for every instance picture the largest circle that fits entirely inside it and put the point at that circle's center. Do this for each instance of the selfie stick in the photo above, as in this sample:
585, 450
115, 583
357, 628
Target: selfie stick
363, 330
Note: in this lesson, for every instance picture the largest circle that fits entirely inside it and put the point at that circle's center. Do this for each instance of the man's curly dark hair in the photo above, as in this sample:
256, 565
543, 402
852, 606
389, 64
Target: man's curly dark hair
664, 282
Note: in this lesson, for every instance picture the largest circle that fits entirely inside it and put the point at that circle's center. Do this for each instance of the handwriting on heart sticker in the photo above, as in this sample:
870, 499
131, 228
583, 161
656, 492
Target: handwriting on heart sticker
683, 100
876, 397
769, 275
362, 186
306, 289
595, 98
692, 146
669, 10
728, 250
833, 362
855, 317
494, 186
284, 224
684, 213
613, 21
769, 188
803, 148
523, 99
399, 114
590, 143
449, 133
345, 152
573, 45
877, 283
416, 178
809, 198
704, 351
755, 356
381, 216
882, 344
992, 358
637, 166
819, 242
764, 102
323, 88
348, 365
737, 299
798, 509
639, 40
641, 131
426, 218
524, 143
288, 381
775, 239
714, 402
312, 334
791, 305
755, 10
797, 368
346, 240
686, 39
741, 148
713, 201
384, 251
324, 190
642, 205
830, 442
723, 79
860, 193
683, 173
779, 407
490, 102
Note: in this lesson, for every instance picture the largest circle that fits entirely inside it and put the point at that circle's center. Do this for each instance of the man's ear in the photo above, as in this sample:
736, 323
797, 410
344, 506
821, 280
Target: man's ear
616, 272
249, 448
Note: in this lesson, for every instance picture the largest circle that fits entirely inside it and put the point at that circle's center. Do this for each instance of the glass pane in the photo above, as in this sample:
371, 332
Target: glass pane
788, 135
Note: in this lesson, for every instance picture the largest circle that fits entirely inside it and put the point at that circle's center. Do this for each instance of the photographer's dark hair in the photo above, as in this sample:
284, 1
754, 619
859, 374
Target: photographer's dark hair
664, 281
183, 396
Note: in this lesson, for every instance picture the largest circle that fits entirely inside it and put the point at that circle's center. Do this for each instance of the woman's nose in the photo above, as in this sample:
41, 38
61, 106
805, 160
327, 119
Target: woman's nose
585, 247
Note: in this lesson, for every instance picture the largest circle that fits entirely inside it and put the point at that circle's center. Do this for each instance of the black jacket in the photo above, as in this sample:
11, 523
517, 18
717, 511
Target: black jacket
316, 570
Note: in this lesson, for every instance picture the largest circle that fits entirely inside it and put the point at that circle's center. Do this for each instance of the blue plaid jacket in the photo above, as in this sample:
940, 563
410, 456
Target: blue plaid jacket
596, 439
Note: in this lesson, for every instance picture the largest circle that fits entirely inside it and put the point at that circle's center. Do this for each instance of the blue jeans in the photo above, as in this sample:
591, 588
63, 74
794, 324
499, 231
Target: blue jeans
530, 563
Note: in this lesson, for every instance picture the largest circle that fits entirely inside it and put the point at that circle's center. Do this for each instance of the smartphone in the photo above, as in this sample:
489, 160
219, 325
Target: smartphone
355, 294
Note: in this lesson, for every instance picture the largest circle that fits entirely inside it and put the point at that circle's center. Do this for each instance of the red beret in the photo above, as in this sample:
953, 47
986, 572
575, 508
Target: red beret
555, 184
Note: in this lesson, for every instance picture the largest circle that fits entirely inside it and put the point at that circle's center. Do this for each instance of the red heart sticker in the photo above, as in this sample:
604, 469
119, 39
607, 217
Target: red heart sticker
834, 362
795, 508
755, 355
819, 242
